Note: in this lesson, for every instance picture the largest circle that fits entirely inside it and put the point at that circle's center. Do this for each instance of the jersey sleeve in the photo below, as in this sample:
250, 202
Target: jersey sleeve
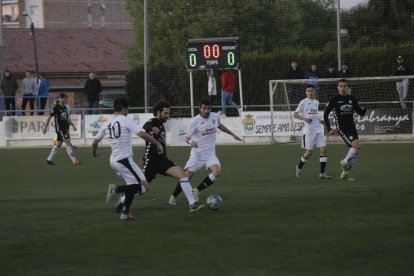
192, 128
102, 131
148, 126
132, 126
299, 109
358, 108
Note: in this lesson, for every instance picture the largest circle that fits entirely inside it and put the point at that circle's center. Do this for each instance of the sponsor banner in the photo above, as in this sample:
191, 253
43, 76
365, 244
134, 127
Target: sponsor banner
259, 124
382, 121
94, 122
31, 127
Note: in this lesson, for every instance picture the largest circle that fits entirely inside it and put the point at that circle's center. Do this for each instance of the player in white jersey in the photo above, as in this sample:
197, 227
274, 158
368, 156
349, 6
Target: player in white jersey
201, 135
312, 135
120, 129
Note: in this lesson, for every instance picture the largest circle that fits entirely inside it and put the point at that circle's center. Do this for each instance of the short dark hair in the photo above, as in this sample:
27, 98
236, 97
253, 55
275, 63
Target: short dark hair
205, 102
309, 86
63, 95
119, 104
159, 106
342, 80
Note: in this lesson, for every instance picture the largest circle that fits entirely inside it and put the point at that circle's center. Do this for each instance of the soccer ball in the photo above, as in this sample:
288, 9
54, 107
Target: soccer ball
214, 202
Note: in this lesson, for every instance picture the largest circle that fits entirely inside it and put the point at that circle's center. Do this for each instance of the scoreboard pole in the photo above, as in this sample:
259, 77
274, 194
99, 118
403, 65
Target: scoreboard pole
191, 94
240, 88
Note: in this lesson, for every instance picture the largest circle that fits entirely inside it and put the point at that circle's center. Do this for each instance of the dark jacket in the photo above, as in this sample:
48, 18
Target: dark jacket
9, 86
402, 69
295, 74
93, 88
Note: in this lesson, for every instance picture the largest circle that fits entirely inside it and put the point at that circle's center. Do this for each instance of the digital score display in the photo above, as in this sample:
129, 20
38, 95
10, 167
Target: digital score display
206, 54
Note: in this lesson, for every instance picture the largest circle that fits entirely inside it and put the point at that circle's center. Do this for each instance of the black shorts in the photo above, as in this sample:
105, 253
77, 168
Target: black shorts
153, 166
62, 135
348, 134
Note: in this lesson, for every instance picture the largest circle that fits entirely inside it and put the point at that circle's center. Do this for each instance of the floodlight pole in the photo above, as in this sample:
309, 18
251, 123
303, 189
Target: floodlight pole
32, 33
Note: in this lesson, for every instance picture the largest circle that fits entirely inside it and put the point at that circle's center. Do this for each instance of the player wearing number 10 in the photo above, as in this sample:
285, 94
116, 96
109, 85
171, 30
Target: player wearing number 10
120, 128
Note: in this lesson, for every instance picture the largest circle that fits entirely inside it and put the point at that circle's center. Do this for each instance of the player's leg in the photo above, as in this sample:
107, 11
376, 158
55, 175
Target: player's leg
192, 166
135, 183
323, 158
69, 149
308, 143
55, 148
350, 137
213, 165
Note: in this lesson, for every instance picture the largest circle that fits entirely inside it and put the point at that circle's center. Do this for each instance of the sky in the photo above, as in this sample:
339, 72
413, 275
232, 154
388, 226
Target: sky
347, 4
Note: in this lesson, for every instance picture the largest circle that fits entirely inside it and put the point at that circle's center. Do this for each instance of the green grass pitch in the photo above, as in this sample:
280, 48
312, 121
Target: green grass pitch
54, 221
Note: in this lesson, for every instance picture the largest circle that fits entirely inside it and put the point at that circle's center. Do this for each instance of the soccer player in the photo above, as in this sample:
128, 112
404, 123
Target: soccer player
307, 111
155, 163
344, 106
120, 129
62, 123
201, 135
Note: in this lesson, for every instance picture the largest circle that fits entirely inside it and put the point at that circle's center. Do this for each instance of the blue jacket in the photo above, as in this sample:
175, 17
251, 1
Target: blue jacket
44, 87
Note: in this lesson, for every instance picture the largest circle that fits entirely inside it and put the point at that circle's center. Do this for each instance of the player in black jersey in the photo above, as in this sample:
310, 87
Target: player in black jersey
155, 163
344, 106
62, 124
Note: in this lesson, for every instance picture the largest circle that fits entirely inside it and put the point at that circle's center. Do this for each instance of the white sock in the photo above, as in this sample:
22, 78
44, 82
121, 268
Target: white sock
53, 153
351, 157
70, 153
187, 189
212, 177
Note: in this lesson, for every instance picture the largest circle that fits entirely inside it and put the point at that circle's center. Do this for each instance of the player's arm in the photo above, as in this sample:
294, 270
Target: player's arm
47, 123
359, 109
151, 139
328, 110
228, 131
300, 117
95, 144
71, 123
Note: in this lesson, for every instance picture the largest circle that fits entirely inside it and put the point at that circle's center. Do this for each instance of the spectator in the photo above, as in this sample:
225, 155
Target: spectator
43, 92
228, 86
402, 69
93, 88
331, 73
329, 89
295, 72
212, 86
294, 90
345, 73
9, 87
314, 74
29, 88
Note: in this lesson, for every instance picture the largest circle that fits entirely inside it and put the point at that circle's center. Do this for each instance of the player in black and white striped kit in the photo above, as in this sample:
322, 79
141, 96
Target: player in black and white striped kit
120, 129
344, 106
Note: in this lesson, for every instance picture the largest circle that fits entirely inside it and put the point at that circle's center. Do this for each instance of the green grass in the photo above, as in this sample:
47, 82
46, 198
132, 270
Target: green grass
54, 221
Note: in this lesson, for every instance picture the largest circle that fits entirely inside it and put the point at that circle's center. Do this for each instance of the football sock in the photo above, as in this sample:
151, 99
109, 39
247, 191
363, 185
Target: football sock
208, 181
351, 157
70, 153
177, 190
186, 187
130, 191
302, 162
323, 160
53, 153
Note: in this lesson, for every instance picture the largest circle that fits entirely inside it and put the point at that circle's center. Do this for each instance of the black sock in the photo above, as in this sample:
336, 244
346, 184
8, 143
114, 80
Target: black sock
130, 191
206, 182
177, 190
322, 161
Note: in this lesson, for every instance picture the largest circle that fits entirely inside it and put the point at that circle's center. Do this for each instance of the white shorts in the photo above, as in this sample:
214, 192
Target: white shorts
309, 141
194, 164
128, 170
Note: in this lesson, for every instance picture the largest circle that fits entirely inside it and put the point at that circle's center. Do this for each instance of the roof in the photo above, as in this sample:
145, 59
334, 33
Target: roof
67, 51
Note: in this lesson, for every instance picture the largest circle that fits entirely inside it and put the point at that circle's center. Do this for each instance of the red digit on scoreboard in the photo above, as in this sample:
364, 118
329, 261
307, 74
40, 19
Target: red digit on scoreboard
210, 51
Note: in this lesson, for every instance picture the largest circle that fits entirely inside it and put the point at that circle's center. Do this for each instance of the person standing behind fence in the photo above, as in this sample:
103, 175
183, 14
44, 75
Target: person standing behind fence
228, 86
402, 69
212, 86
93, 88
294, 90
9, 88
29, 88
43, 92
